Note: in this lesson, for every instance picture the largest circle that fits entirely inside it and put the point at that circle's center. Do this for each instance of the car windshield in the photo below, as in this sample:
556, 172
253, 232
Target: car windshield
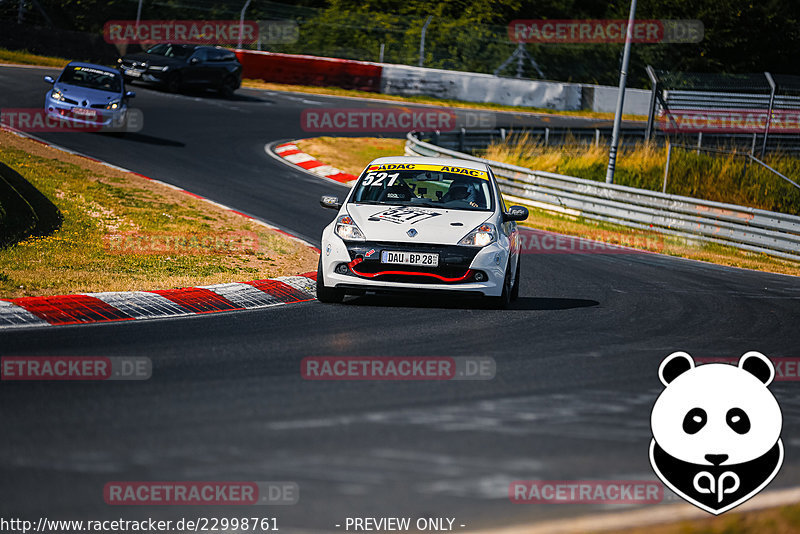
171, 50
92, 78
434, 186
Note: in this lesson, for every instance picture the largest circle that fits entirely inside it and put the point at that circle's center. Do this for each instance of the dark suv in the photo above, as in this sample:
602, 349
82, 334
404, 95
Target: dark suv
178, 66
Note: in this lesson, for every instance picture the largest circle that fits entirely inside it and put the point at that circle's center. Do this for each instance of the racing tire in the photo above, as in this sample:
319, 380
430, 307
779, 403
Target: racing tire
328, 295
502, 302
515, 287
228, 87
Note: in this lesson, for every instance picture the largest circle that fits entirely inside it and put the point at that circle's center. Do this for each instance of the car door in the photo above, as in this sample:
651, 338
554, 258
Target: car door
197, 70
507, 228
217, 66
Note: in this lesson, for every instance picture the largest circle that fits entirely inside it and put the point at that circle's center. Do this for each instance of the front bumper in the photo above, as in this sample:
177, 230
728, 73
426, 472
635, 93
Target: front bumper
456, 272
156, 77
104, 118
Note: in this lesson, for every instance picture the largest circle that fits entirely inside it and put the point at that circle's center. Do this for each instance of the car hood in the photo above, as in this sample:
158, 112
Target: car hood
154, 59
432, 225
84, 94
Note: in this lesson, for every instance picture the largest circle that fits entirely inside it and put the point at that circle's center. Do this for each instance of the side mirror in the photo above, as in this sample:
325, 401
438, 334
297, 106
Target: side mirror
194, 61
49, 79
516, 213
130, 94
331, 202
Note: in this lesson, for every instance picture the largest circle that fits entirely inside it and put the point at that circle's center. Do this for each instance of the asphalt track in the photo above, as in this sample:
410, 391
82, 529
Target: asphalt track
576, 357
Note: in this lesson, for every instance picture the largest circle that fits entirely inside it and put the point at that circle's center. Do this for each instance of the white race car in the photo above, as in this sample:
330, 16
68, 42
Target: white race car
422, 224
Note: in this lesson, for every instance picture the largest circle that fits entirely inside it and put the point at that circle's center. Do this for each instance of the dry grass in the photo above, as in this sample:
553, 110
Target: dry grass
713, 177
22, 57
351, 154
98, 202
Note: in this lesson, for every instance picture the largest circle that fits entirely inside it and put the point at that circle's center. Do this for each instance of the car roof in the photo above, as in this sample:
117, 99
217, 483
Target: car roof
452, 162
91, 66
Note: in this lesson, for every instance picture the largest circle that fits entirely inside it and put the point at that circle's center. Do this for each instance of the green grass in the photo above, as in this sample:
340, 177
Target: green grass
719, 177
98, 204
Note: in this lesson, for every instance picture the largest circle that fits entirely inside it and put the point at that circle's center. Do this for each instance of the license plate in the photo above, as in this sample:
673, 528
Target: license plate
83, 112
133, 73
410, 258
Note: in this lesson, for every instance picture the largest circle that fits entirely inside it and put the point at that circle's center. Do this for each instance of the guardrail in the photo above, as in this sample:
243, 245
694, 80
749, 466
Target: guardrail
752, 229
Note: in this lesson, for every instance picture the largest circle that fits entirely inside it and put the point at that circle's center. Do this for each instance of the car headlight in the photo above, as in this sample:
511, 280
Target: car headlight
483, 235
114, 104
346, 229
56, 95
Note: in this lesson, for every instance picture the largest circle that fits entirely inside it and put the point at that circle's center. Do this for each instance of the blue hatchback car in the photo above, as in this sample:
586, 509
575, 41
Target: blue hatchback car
88, 94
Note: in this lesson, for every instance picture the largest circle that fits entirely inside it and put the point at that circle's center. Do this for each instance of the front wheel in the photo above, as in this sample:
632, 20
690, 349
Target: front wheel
173, 84
324, 293
502, 302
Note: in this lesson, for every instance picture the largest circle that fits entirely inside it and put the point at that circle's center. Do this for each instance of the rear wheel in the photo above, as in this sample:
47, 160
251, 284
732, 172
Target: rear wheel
228, 87
324, 293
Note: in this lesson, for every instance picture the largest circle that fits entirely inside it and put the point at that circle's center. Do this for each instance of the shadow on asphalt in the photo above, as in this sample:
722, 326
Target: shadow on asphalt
521, 304
147, 139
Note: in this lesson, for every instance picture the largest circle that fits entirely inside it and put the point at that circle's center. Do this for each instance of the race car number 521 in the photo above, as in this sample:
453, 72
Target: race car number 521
410, 258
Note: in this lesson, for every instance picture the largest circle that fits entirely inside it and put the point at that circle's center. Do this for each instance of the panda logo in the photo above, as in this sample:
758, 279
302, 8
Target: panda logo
716, 430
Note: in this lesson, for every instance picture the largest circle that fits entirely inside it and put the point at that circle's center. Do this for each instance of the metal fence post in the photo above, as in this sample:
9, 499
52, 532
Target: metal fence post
651, 114
597, 137
699, 142
422, 41
546, 136
666, 167
769, 111
241, 22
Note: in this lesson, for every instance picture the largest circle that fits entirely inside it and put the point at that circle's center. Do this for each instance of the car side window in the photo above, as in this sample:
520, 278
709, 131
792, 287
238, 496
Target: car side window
503, 205
201, 54
218, 55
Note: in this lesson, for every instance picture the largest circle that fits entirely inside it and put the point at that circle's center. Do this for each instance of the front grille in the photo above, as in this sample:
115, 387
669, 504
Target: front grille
99, 106
454, 262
